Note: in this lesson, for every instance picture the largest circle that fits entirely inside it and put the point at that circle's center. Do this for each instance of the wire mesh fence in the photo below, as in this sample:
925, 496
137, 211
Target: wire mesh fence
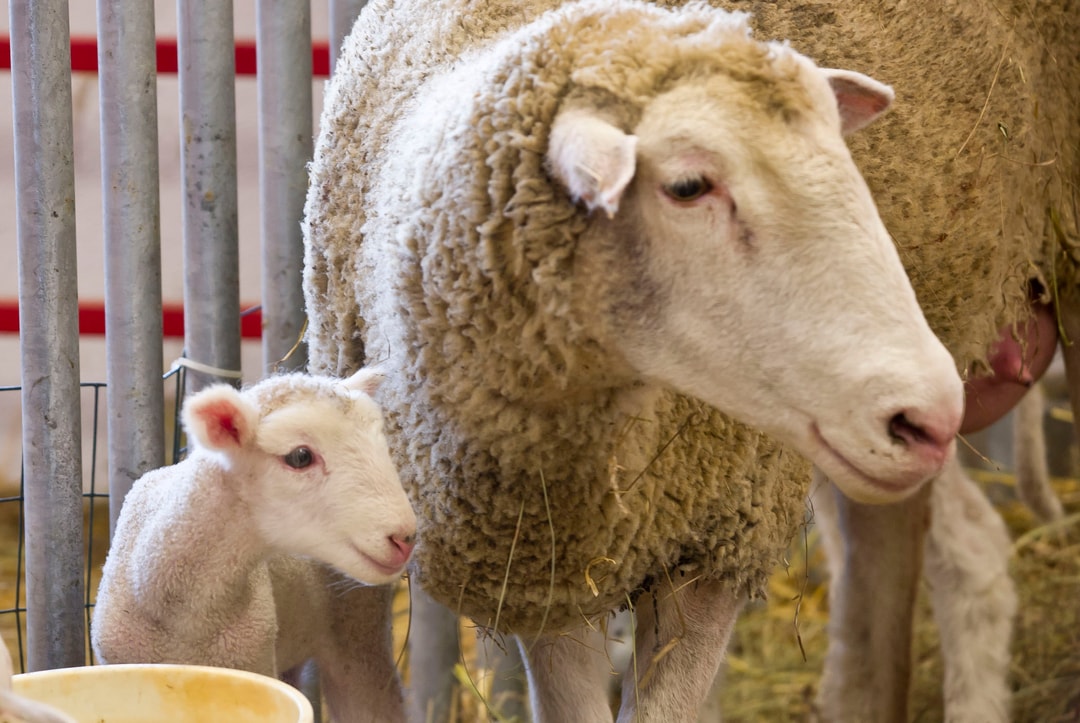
13, 604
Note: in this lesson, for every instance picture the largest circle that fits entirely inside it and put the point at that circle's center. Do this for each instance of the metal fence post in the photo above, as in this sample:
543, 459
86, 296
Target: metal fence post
285, 148
342, 16
127, 77
208, 148
49, 333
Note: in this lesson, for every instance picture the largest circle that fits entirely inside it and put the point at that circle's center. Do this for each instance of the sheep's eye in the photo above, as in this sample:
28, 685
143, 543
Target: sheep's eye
299, 458
687, 189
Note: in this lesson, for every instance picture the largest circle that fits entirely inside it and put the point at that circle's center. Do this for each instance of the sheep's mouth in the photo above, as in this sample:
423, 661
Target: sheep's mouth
892, 488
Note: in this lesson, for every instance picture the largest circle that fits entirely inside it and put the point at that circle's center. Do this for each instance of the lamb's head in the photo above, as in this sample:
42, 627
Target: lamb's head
745, 262
311, 465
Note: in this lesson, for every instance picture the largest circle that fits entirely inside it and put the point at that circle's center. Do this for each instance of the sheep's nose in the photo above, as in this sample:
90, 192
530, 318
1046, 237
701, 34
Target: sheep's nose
928, 435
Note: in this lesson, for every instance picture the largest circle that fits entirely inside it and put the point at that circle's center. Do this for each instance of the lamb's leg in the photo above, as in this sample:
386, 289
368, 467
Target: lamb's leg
967, 554
359, 679
868, 664
567, 677
681, 637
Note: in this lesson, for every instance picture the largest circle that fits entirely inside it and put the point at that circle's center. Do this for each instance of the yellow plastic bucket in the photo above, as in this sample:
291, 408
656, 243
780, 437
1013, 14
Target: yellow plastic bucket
165, 694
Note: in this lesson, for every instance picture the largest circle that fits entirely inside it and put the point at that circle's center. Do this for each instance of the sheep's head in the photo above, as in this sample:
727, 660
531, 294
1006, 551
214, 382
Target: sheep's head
310, 461
746, 264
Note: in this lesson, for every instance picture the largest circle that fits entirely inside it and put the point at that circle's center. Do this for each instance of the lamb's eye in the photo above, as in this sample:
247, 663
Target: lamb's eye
687, 189
299, 458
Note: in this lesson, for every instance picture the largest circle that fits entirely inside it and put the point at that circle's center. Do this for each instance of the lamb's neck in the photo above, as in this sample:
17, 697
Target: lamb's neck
229, 546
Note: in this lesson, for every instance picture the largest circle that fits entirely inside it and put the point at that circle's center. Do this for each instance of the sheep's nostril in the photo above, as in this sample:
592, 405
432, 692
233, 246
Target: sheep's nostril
904, 430
928, 432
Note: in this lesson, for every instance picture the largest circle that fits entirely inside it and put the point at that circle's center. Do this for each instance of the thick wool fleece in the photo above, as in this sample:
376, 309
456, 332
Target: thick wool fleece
551, 484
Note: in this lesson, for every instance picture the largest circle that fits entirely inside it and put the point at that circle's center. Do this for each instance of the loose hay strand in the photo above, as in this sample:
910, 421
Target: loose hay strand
509, 561
588, 574
296, 344
663, 448
805, 580
980, 455
986, 103
551, 578
633, 651
670, 645
408, 630
464, 677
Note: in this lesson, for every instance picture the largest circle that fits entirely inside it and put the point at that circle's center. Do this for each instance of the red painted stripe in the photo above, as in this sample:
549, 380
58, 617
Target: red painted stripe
168, 60
9, 318
92, 320
84, 56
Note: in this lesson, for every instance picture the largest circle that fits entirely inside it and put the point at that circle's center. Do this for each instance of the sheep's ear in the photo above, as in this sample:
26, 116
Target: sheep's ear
219, 418
592, 158
367, 380
861, 99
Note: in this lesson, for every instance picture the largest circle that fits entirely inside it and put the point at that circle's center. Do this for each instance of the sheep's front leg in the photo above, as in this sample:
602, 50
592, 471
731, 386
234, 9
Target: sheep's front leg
681, 636
567, 677
974, 601
876, 563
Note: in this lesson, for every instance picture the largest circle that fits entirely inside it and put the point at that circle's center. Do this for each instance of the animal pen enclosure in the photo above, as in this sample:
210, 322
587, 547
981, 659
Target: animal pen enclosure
127, 55
62, 547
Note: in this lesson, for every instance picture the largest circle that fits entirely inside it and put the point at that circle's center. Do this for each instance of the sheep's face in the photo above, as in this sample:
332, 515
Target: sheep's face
751, 270
316, 476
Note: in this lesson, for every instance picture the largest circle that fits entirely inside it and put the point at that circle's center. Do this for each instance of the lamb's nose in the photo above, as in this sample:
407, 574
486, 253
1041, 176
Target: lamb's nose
403, 546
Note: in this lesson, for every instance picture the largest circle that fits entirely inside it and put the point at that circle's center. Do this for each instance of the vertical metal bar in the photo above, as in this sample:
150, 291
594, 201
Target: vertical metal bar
208, 149
285, 148
342, 16
49, 332
127, 77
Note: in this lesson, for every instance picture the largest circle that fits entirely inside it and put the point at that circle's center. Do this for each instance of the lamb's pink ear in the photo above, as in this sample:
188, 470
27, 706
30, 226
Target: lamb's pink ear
860, 98
592, 158
219, 418
367, 380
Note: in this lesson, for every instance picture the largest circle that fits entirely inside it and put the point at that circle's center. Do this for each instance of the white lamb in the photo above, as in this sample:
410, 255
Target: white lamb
235, 556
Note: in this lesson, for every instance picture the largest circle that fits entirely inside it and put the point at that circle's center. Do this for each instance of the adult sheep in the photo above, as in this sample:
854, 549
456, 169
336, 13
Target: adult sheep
577, 234
974, 171
236, 556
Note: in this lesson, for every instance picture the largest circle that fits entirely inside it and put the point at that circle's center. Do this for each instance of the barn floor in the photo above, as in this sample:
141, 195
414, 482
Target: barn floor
768, 680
